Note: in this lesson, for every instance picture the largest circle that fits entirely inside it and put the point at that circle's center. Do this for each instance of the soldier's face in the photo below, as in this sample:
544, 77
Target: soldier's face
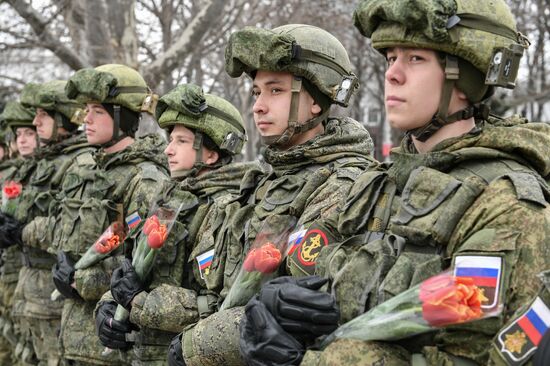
413, 87
25, 139
44, 124
272, 91
180, 152
99, 124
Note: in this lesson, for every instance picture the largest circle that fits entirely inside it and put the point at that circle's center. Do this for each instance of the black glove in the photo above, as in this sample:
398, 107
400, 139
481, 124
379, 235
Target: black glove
112, 333
299, 308
263, 342
542, 355
10, 231
63, 276
125, 284
175, 353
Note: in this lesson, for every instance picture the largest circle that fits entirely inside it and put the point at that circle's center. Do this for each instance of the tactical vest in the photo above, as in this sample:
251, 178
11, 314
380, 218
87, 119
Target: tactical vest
81, 219
287, 194
406, 234
38, 197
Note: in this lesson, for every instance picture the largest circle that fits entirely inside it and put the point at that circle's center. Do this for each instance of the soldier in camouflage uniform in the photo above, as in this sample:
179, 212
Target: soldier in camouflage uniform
120, 179
298, 72
205, 133
465, 190
56, 119
17, 120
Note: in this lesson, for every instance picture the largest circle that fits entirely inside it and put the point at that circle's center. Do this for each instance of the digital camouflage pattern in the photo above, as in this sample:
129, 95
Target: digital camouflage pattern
16, 115
206, 113
424, 24
172, 299
113, 84
37, 314
498, 207
252, 49
51, 96
18, 170
121, 183
307, 181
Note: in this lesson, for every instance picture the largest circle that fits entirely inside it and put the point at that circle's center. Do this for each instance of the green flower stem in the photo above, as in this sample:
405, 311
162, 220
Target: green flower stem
396, 318
246, 285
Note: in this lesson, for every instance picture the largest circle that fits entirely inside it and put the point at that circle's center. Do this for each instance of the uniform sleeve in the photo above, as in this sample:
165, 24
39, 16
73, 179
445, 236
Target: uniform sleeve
143, 189
214, 340
329, 196
91, 283
508, 225
166, 307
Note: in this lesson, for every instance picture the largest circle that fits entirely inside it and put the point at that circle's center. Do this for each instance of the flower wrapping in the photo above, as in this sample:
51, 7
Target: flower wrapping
440, 301
107, 242
151, 238
262, 261
11, 191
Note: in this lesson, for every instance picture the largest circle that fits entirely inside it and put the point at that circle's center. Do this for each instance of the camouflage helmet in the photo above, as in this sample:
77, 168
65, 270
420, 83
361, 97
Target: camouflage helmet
479, 32
477, 40
302, 50
112, 84
206, 113
16, 115
51, 96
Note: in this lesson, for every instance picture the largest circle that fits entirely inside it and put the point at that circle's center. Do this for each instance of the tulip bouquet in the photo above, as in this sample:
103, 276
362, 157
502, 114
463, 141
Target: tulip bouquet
111, 239
10, 191
262, 260
439, 301
152, 237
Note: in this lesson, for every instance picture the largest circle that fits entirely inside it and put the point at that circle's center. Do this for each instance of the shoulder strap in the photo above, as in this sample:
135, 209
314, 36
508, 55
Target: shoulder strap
529, 185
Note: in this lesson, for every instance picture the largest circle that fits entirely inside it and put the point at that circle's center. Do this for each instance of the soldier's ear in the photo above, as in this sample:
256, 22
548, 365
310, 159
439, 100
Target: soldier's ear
315, 108
210, 157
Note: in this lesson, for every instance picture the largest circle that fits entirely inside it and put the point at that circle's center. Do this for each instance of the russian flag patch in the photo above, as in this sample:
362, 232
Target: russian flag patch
204, 261
133, 220
295, 239
519, 340
485, 271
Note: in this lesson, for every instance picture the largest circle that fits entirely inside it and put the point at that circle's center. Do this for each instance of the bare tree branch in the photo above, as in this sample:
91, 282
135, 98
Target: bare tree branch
48, 40
191, 36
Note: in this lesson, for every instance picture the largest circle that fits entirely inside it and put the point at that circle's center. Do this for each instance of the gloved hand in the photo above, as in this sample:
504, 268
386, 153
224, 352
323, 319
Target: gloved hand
175, 353
263, 342
542, 355
112, 333
299, 308
10, 231
63, 276
125, 284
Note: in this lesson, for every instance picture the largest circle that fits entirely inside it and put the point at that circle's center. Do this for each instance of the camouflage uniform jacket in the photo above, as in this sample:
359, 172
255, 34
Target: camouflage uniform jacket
106, 188
32, 295
480, 195
307, 181
18, 170
172, 299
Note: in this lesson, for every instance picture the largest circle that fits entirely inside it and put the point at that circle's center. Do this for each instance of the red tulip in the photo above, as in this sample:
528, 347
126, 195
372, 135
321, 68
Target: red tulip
450, 300
267, 259
151, 223
106, 245
248, 264
157, 236
12, 189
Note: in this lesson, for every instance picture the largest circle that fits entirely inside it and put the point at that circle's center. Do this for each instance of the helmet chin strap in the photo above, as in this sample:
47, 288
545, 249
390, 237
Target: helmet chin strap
294, 127
55, 137
441, 118
118, 134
